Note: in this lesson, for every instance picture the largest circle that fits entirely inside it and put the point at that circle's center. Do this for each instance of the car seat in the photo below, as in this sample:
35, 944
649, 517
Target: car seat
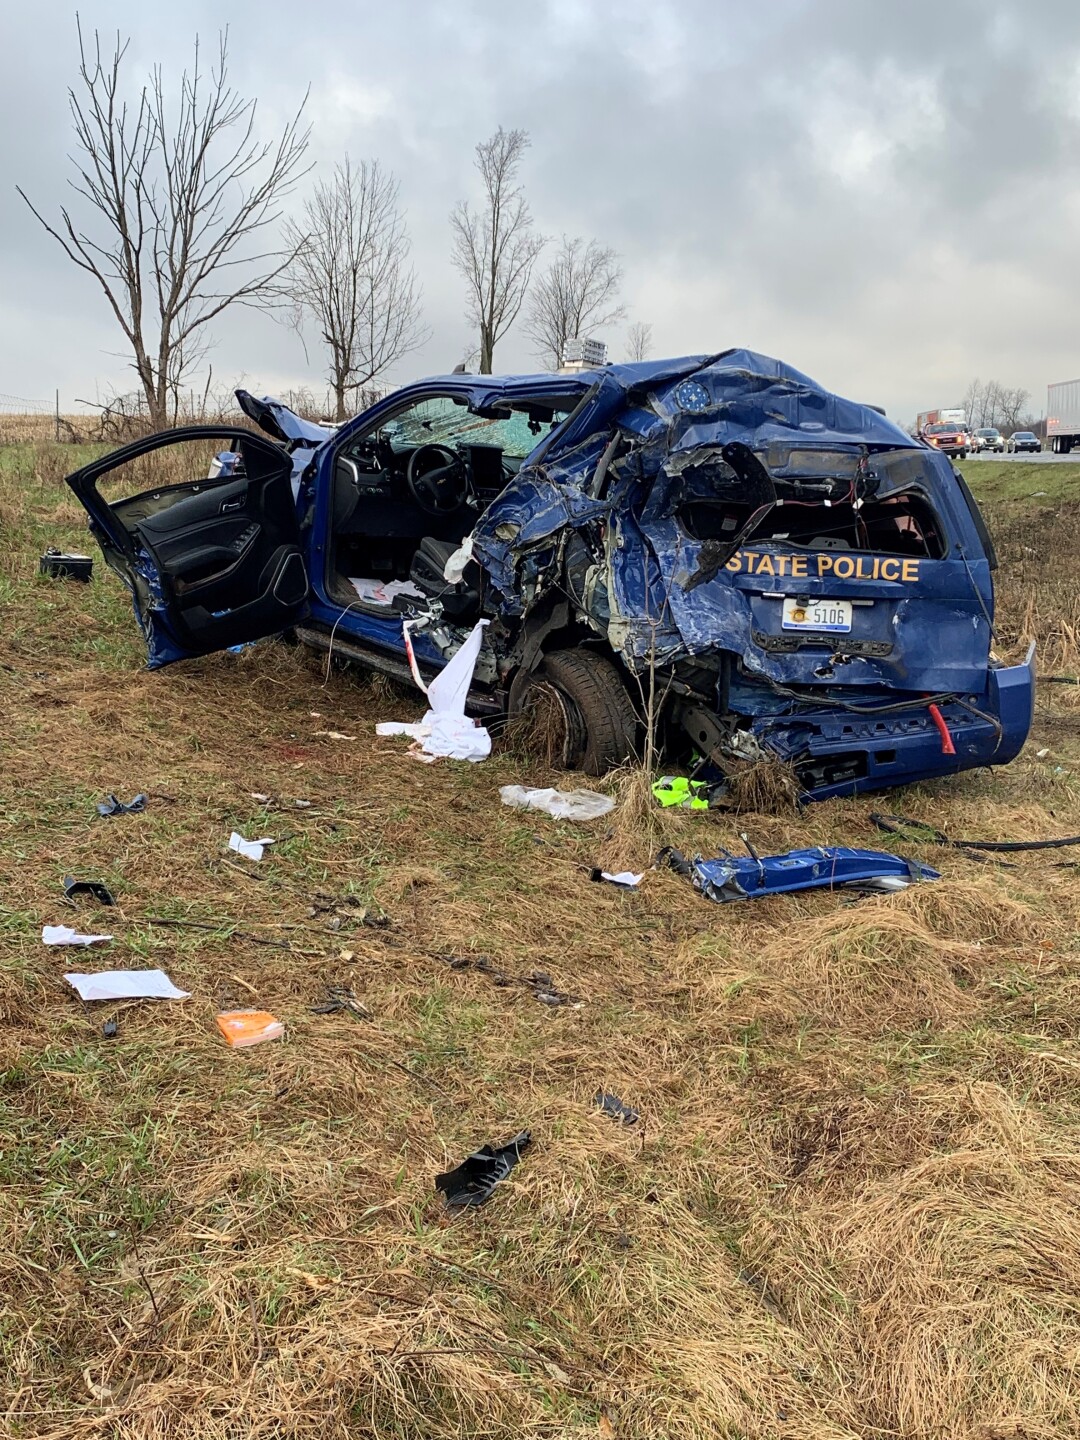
427, 573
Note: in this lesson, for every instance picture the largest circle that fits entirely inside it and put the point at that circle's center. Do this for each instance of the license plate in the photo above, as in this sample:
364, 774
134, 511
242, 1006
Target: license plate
829, 615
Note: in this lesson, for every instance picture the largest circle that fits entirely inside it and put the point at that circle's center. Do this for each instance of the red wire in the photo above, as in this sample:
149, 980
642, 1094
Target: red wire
947, 746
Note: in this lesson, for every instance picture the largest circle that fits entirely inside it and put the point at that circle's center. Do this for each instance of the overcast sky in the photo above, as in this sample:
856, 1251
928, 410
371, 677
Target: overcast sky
883, 195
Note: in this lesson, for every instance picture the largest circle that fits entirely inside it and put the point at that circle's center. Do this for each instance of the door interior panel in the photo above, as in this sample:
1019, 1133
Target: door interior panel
225, 551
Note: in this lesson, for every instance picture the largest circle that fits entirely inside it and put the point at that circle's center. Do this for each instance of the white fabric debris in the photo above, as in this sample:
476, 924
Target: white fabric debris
126, 985
454, 569
402, 727
446, 730
384, 592
626, 878
65, 935
559, 804
250, 849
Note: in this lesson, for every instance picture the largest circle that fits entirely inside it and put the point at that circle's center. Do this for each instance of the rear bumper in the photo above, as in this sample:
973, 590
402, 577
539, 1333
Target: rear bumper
840, 753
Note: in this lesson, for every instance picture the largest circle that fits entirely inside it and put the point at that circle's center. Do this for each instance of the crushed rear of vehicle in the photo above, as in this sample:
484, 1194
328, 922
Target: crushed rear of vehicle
786, 572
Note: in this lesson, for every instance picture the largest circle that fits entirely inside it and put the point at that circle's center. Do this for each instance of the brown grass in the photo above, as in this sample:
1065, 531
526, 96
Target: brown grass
849, 1208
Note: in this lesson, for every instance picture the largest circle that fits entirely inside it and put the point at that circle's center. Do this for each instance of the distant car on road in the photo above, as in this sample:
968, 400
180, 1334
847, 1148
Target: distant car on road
948, 436
1021, 440
987, 438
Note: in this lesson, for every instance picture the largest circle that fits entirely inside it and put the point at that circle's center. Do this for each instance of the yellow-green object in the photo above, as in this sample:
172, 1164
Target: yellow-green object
678, 790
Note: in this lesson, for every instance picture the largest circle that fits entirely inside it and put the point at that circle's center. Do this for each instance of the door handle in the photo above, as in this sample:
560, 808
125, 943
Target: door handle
227, 506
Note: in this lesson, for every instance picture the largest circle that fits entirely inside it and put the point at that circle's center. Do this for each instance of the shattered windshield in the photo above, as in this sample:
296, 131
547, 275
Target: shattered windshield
446, 420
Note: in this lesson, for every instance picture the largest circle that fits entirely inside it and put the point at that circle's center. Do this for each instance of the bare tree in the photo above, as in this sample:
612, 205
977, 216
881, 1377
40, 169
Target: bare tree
994, 404
1013, 403
638, 341
350, 275
973, 403
495, 247
575, 296
179, 196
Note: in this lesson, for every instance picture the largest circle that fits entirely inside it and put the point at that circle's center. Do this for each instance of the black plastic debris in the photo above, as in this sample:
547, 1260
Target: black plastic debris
472, 1182
112, 806
345, 908
338, 998
65, 565
110, 1029
674, 860
613, 1106
554, 997
96, 889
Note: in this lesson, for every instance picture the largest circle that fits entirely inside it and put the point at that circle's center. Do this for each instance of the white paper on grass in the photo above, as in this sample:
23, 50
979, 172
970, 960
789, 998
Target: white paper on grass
65, 935
126, 985
626, 878
446, 729
559, 804
250, 849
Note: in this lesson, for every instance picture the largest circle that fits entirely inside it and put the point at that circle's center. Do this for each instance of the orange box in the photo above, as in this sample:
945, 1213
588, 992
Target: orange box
249, 1027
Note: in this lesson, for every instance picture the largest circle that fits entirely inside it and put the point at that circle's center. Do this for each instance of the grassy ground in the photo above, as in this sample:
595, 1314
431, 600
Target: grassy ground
850, 1208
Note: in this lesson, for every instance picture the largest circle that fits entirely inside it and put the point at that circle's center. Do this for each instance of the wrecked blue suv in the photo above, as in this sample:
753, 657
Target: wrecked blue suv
782, 571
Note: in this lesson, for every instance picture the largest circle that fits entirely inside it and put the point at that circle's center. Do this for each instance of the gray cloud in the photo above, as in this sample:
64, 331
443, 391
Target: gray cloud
883, 196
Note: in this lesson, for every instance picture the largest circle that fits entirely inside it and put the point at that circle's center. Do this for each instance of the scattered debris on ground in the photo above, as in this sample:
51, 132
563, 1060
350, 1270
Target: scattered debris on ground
112, 806
65, 935
126, 985
472, 1182
96, 889
559, 804
242, 1028
250, 849
616, 1108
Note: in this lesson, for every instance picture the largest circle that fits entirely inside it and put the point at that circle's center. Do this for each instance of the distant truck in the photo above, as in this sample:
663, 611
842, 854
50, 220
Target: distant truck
1063, 416
939, 417
946, 430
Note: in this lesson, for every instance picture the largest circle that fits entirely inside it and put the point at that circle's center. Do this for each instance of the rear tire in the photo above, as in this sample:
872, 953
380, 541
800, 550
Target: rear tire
607, 733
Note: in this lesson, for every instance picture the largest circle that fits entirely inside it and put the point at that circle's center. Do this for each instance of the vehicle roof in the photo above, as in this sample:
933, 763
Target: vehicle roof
749, 391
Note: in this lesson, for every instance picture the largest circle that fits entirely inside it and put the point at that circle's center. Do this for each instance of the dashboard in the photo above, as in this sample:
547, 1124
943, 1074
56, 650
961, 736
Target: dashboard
372, 496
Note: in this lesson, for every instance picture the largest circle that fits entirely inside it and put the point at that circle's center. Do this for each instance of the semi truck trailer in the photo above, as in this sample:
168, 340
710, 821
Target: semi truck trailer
1063, 416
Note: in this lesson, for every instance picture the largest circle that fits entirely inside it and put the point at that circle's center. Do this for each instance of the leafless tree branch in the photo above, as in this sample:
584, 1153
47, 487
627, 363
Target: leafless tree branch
994, 404
495, 247
173, 194
350, 276
639, 341
576, 296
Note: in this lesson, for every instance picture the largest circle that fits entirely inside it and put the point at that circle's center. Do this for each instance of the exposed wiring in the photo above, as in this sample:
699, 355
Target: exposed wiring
983, 715
826, 701
333, 632
896, 824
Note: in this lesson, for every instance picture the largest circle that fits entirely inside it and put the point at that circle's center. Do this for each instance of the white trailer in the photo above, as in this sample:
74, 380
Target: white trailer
1063, 416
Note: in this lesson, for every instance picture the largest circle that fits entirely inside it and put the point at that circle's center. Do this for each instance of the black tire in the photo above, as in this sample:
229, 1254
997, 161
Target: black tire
607, 733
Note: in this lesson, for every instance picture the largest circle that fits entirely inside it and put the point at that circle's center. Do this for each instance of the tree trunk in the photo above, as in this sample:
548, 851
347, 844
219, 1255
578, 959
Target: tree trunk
487, 352
340, 412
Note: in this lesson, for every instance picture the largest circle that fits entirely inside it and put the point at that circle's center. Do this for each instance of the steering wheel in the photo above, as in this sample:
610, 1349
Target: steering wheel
437, 479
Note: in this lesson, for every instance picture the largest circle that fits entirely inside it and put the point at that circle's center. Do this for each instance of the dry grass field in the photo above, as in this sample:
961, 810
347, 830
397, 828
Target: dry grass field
850, 1209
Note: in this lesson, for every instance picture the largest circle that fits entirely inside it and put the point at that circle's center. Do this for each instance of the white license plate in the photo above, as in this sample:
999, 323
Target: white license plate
829, 615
